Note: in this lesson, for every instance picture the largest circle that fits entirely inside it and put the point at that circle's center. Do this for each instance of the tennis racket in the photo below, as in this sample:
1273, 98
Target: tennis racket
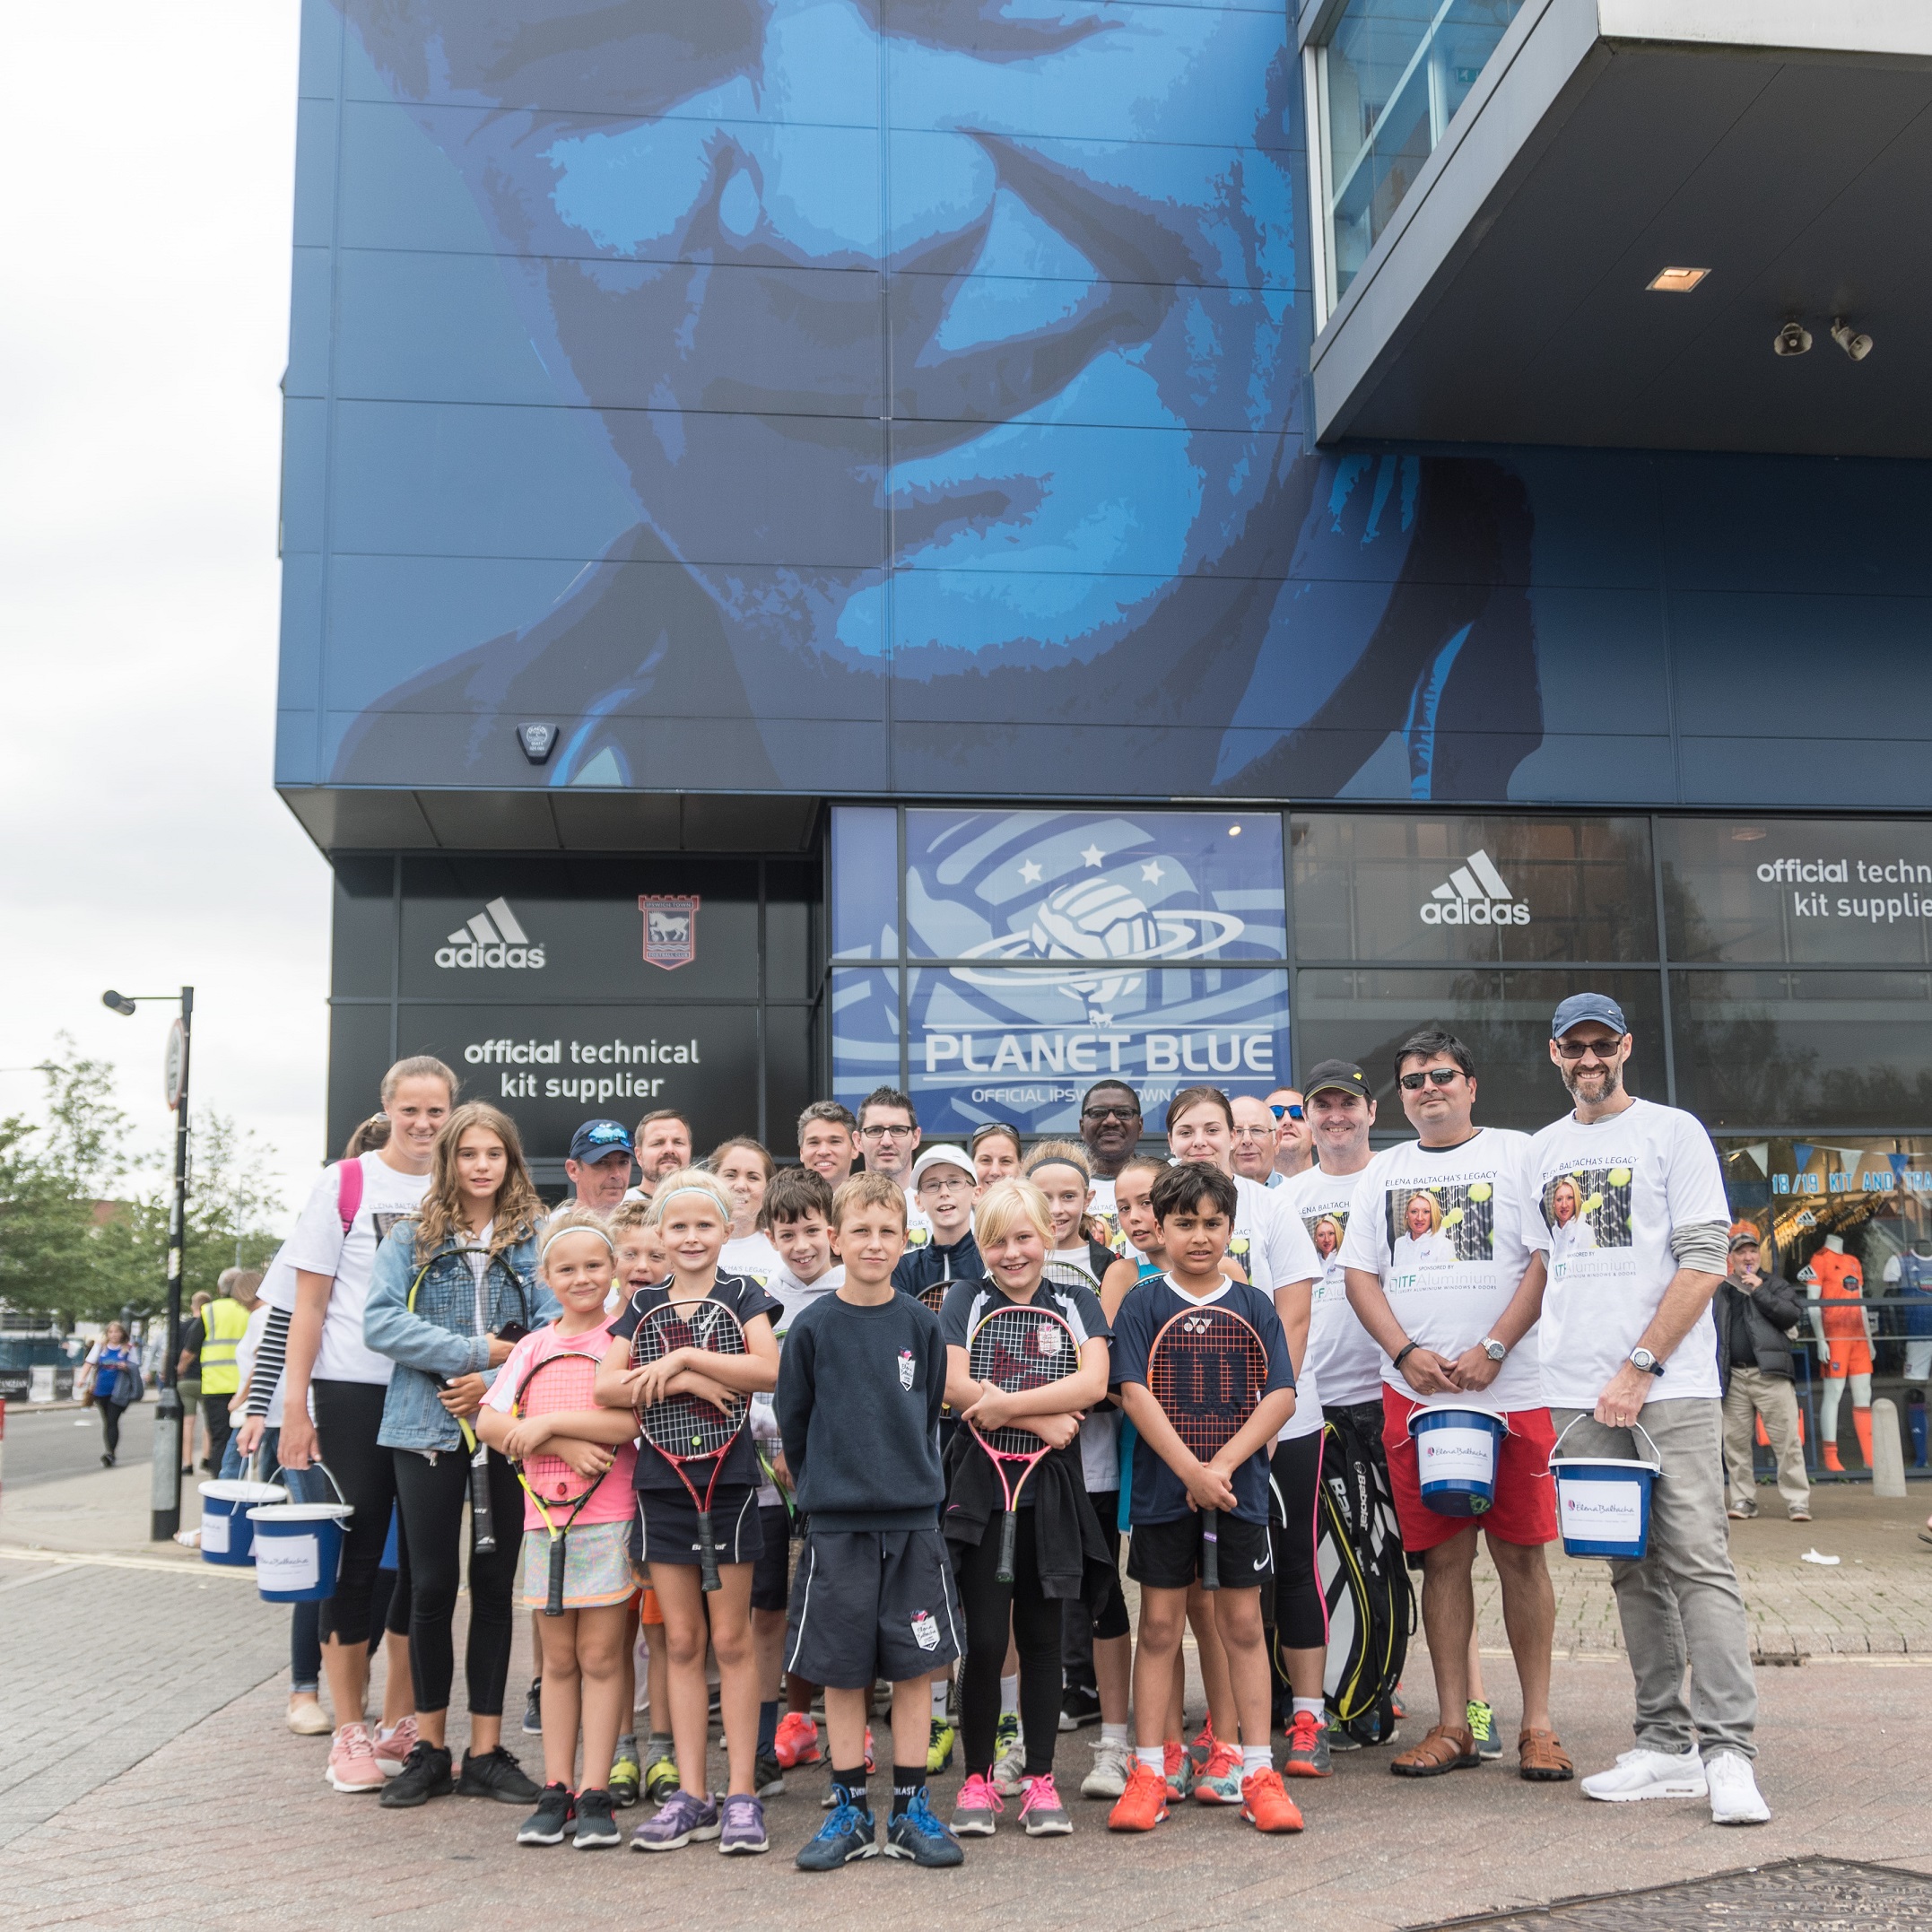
1207, 1368
558, 1385
684, 1428
1016, 1348
482, 1516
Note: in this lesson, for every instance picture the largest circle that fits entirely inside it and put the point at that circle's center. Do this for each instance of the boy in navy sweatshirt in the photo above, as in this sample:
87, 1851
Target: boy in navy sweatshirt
859, 1391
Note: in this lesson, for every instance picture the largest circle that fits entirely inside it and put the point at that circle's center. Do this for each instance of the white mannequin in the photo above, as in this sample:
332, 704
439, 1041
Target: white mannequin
1834, 1385
1918, 1347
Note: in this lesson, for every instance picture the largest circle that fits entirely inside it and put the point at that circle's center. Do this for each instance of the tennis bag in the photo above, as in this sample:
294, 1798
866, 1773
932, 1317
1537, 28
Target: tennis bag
1364, 1579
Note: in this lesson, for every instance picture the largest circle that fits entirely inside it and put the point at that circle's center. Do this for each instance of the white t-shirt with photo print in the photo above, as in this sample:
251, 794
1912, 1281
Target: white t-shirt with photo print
1647, 1170
1342, 1354
1449, 1285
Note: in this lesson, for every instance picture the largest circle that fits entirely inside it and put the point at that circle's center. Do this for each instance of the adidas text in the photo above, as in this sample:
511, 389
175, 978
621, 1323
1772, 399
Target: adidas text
1475, 895
493, 938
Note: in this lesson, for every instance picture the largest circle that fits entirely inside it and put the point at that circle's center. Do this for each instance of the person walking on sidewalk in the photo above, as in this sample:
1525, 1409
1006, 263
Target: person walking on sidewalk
1755, 1314
1628, 1339
113, 1382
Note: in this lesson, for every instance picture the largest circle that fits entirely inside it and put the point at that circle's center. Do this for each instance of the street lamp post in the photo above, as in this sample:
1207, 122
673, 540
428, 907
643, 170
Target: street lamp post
164, 1496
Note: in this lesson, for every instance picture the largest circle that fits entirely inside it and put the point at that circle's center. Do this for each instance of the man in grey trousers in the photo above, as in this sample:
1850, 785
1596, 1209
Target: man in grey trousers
1634, 1200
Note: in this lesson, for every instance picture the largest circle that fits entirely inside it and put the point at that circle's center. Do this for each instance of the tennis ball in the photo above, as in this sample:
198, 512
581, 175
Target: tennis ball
1480, 1192
1593, 1204
1450, 1219
1620, 1177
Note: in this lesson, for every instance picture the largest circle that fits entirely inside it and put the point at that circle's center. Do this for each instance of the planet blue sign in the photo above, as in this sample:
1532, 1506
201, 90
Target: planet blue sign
1045, 951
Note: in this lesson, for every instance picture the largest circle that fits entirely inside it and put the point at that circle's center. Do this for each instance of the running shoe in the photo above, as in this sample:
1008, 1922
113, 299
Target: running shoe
627, 1778
1483, 1728
939, 1745
849, 1834
977, 1808
917, 1834
742, 1832
1180, 1773
1733, 1787
1080, 1705
798, 1740
533, 1710
351, 1761
1341, 1737
597, 1829
307, 1717
1203, 1747
393, 1747
496, 1774
425, 1776
1220, 1779
1009, 1755
683, 1819
1112, 1763
1308, 1747
1144, 1804
1641, 1774
555, 1811
1266, 1804
1041, 1812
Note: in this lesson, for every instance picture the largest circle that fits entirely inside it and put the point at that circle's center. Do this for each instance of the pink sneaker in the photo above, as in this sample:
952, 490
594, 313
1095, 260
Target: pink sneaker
351, 1761
976, 1808
393, 1747
1042, 1813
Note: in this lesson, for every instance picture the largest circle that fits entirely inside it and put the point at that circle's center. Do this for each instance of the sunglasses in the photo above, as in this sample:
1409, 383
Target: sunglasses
1292, 1113
1441, 1076
1605, 1049
1109, 1113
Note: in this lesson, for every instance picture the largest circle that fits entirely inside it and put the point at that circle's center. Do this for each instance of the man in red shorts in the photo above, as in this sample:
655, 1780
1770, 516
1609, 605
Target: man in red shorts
1443, 1265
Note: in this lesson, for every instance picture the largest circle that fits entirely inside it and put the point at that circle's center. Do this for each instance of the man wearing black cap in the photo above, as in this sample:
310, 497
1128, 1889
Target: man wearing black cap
599, 1163
1628, 1339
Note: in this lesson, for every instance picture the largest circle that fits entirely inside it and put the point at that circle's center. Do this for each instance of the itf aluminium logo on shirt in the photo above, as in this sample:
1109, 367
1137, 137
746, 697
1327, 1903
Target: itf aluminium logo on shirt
1475, 894
491, 937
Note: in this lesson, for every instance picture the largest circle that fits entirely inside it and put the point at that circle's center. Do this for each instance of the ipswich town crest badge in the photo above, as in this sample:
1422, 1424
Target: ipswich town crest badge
670, 928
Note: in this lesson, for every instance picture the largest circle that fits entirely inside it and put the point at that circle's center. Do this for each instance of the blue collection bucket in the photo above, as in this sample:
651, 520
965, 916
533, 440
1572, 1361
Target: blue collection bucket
1603, 1502
227, 1535
1456, 1458
298, 1547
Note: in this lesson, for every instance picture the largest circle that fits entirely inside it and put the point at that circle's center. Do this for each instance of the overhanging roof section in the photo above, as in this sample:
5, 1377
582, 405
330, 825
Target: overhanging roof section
1784, 146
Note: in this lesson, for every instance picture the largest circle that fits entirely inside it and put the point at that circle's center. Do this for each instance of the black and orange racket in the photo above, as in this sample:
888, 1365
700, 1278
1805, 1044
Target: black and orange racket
685, 1429
561, 1384
1016, 1348
1207, 1370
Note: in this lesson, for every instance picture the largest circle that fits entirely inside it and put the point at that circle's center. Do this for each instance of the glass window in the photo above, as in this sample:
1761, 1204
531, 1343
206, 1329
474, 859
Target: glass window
1503, 1018
864, 1031
1371, 887
1791, 1049
1392, 77
1846, 892
864, 881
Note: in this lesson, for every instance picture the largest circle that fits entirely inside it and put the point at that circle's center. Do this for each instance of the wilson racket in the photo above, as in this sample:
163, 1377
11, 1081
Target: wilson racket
483, 1515
1207, 1368
685, 1430
561, 1384
1016, 1348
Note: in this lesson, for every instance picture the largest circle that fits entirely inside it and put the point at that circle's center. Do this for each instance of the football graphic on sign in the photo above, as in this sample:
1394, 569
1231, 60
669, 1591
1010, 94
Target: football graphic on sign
670, 928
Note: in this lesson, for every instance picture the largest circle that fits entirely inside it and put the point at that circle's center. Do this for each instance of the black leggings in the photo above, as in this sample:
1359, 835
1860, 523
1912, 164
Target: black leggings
432, 1495
1036, 1631
110, 1425
348, 1417
1301, 1614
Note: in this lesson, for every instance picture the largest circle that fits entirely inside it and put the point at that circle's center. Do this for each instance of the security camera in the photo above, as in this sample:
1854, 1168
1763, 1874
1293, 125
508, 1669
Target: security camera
1793, 339
1857, 347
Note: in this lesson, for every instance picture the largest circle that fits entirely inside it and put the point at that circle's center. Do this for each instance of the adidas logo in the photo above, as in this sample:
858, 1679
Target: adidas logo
1475, 895
493, 937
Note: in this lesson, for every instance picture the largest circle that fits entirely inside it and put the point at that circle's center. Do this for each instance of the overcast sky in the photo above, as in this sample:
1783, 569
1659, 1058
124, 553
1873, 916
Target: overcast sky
144, 327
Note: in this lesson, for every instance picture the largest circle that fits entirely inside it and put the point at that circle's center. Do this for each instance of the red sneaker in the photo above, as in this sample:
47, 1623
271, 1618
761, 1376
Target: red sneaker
1220, 1781
1266, 1804
1143, 1805
798, 1740
1179, 1767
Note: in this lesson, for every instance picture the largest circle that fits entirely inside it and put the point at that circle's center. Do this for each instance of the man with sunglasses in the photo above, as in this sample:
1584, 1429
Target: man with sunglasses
1629, 1345
1110, 1129
889, 1138
598, 1164
1294, 1152
1443, 1263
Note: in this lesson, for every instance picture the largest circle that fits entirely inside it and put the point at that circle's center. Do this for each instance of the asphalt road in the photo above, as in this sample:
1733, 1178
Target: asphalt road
45, 1444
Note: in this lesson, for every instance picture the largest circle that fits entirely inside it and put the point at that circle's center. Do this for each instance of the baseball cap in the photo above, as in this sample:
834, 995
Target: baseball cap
597, 1140
1344, 1075
942, 1156
1743, 1231
1581, 1006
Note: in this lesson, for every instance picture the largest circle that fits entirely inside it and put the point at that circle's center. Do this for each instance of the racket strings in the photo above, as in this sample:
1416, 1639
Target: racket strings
1207, 1383
1016, 1349
561, 1385
684, 1425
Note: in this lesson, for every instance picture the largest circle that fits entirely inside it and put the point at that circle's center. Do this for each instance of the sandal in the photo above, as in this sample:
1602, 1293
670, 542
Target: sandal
1447, 1748
1544, 1759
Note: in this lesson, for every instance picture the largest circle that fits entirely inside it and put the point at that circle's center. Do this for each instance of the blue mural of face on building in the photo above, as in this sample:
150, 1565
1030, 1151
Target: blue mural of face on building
953, 351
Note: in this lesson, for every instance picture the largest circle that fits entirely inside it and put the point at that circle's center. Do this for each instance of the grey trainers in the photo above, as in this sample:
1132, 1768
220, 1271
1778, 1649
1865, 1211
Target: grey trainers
682, 1819
1308, 1748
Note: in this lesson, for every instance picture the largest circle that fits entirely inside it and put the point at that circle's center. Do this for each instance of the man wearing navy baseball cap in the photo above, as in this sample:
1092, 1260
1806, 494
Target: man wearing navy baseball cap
599, 1163
1636, 1219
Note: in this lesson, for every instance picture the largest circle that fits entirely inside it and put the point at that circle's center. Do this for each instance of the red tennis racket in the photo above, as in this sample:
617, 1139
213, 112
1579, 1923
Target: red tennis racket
1207, 1368
1016, 1348
686, 1430
561, 1384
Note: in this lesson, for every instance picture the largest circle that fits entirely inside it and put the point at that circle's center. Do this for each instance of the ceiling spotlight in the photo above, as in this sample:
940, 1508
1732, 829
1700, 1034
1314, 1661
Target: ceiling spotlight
1857, 347
1676, 281
1793, 339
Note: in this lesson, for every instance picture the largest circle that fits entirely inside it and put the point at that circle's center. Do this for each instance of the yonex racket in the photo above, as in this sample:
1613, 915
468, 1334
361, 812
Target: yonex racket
1016, 1348
561, 1384
1207, 1368
686, 1430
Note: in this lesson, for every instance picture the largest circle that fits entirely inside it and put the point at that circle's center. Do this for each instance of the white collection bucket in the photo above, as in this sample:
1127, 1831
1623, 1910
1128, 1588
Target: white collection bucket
1603, 1502
298, 1547
1456, 1458
227, 1535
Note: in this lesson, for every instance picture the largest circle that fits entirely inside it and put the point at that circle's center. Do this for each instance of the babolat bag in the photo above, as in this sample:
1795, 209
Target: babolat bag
1359, 1558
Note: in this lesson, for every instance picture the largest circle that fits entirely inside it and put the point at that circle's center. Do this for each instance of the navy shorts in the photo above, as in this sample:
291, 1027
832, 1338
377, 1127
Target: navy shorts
873, 1603
667, 1527
1167, 1556
772, 1577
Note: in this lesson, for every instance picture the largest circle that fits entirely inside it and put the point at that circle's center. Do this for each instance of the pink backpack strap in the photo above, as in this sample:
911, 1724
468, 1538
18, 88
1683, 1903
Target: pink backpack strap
348, 1192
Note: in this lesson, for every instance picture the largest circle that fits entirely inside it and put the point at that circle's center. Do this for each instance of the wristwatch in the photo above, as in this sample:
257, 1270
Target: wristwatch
1402, 1354
1641, 1358
1495, 1349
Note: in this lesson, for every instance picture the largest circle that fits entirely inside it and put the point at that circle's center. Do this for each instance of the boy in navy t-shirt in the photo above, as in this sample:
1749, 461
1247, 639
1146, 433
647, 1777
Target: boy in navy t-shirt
1195, 1207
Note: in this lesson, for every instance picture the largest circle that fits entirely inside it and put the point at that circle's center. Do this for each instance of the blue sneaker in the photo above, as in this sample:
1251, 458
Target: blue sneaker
916, 1834
848, 1834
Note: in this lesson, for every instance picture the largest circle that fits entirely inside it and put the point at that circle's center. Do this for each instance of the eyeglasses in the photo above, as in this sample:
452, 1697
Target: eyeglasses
1254, 1133
1292, 1113
942, 1183
1109, 1113
1605, 1049
887, 1132
1441, 1076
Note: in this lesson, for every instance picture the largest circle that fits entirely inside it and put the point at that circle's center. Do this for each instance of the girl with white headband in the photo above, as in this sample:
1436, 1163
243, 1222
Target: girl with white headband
693, 1210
